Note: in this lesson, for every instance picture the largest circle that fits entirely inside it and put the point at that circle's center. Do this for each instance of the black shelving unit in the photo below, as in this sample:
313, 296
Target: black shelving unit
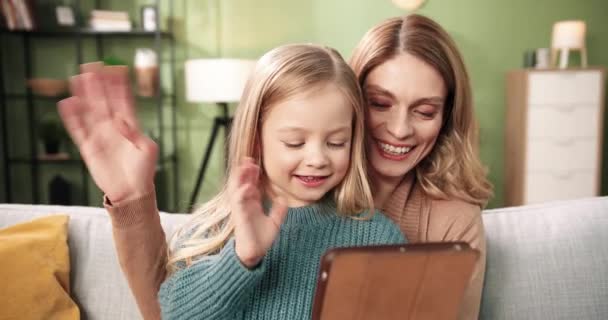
33, 161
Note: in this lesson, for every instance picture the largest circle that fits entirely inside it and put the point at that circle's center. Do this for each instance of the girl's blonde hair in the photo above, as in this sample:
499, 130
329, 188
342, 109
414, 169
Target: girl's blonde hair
280, 74
453, 168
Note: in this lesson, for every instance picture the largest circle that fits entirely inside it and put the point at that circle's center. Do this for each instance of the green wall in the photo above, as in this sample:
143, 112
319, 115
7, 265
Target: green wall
492, 35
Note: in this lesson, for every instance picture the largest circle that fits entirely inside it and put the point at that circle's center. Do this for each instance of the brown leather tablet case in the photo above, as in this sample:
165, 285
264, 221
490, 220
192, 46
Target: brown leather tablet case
412, 281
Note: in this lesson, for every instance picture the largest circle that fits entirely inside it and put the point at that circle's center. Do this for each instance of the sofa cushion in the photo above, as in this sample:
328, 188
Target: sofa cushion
98, 286
35, 270
547, 261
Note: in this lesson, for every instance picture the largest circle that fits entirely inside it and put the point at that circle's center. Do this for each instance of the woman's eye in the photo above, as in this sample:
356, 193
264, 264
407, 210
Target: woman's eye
426, 114
293, 145
379, 104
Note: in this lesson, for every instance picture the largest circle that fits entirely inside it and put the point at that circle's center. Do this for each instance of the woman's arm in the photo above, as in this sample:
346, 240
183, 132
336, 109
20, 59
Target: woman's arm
101, 119
141, 248
459, 221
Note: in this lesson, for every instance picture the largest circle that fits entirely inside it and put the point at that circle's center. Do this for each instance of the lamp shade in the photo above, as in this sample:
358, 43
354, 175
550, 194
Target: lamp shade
216, 80
569, 34
409, 5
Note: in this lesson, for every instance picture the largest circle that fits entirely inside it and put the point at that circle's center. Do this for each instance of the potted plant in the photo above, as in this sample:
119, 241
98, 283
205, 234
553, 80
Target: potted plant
52, 134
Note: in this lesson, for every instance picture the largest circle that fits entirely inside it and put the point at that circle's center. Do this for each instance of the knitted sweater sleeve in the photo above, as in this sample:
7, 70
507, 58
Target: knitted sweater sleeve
215, 287
141, 249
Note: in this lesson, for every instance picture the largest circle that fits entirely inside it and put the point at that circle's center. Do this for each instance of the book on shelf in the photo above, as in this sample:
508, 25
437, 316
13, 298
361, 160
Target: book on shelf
105, 20
18, 14
54, 156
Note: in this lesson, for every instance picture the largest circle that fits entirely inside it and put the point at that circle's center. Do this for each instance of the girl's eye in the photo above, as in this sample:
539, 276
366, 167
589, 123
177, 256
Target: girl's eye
336, 145
293, 145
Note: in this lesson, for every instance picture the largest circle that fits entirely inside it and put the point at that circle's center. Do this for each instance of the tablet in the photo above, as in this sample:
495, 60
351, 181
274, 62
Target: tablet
410, 281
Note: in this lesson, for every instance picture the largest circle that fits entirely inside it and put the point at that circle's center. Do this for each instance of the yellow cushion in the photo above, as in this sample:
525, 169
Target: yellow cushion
35, 271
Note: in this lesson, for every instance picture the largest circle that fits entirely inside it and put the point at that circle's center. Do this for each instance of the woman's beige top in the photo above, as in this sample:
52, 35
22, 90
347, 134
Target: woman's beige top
428, 220
142, 249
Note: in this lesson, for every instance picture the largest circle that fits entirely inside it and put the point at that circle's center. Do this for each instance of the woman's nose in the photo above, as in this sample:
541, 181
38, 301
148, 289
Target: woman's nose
398, 124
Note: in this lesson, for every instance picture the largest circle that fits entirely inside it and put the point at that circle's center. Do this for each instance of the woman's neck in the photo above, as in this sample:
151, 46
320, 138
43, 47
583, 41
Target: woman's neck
384, 187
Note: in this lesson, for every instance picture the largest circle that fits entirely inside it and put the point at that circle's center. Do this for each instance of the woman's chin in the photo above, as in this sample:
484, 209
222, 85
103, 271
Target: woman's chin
388, 169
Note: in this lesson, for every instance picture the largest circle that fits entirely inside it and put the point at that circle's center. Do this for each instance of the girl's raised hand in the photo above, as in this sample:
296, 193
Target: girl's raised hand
255, 231
100, 118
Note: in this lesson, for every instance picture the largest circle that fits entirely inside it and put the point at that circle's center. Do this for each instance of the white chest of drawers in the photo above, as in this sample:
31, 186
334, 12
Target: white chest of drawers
553, 134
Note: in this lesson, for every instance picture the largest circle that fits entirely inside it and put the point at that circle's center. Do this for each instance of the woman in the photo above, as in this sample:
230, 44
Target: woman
423, 168
424, 171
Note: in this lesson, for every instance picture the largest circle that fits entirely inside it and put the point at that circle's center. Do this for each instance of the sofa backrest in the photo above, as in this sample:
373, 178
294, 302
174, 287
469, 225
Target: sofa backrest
547, 261
98, 286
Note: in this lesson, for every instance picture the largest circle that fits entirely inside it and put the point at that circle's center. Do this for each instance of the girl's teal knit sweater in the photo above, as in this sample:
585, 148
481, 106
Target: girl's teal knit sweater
282, 286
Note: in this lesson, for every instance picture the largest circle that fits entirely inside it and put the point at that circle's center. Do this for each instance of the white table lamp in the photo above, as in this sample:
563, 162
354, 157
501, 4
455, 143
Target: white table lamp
218, 81
409, 5
568, 35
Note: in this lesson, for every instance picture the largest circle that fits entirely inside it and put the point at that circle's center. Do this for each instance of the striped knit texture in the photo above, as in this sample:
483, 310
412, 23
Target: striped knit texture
283, 285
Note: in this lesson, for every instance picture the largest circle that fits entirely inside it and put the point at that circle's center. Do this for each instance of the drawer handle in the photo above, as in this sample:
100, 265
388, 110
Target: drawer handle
563, 176
565, 142
566, 109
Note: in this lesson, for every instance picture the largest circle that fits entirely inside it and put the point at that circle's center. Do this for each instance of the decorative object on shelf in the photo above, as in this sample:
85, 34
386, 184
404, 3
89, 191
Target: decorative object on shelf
105, 20
409, 5
65, 16
148, 18
529, 58
542, 57
52, 134
48, 87
146, 72
59, 156
113, 61
18, 14
60, 191
568, 35
217, 81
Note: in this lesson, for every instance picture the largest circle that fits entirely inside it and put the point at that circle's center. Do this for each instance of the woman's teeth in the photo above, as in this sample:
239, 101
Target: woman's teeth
394, 150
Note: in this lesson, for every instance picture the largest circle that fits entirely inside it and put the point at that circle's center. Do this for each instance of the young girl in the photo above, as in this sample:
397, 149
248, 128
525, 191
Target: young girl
296, 151
301, 119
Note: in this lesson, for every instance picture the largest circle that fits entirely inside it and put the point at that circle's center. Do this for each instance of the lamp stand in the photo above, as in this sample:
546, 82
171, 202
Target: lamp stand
225, 121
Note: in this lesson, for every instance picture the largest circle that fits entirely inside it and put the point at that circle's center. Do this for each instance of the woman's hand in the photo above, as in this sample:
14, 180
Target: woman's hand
100, 118
255, 231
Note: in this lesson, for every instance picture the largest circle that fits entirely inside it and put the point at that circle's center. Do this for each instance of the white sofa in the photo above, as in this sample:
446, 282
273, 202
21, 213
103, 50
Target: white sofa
547, 261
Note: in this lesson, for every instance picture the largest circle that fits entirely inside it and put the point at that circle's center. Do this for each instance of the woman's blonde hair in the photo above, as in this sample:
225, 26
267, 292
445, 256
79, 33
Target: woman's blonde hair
453, 168
280, 74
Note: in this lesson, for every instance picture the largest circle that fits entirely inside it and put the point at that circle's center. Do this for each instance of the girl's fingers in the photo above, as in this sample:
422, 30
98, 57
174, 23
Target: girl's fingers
252, 174
72, 111
243, 174
250, 194
278, 212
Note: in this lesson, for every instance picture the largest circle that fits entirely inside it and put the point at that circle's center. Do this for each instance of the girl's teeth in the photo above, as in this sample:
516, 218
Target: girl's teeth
309, 178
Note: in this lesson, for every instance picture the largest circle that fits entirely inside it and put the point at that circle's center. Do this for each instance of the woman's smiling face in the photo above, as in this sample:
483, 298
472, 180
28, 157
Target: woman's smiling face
405, 98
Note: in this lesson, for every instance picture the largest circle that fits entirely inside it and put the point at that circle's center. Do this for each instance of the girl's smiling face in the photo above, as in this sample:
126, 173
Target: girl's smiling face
306, 142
